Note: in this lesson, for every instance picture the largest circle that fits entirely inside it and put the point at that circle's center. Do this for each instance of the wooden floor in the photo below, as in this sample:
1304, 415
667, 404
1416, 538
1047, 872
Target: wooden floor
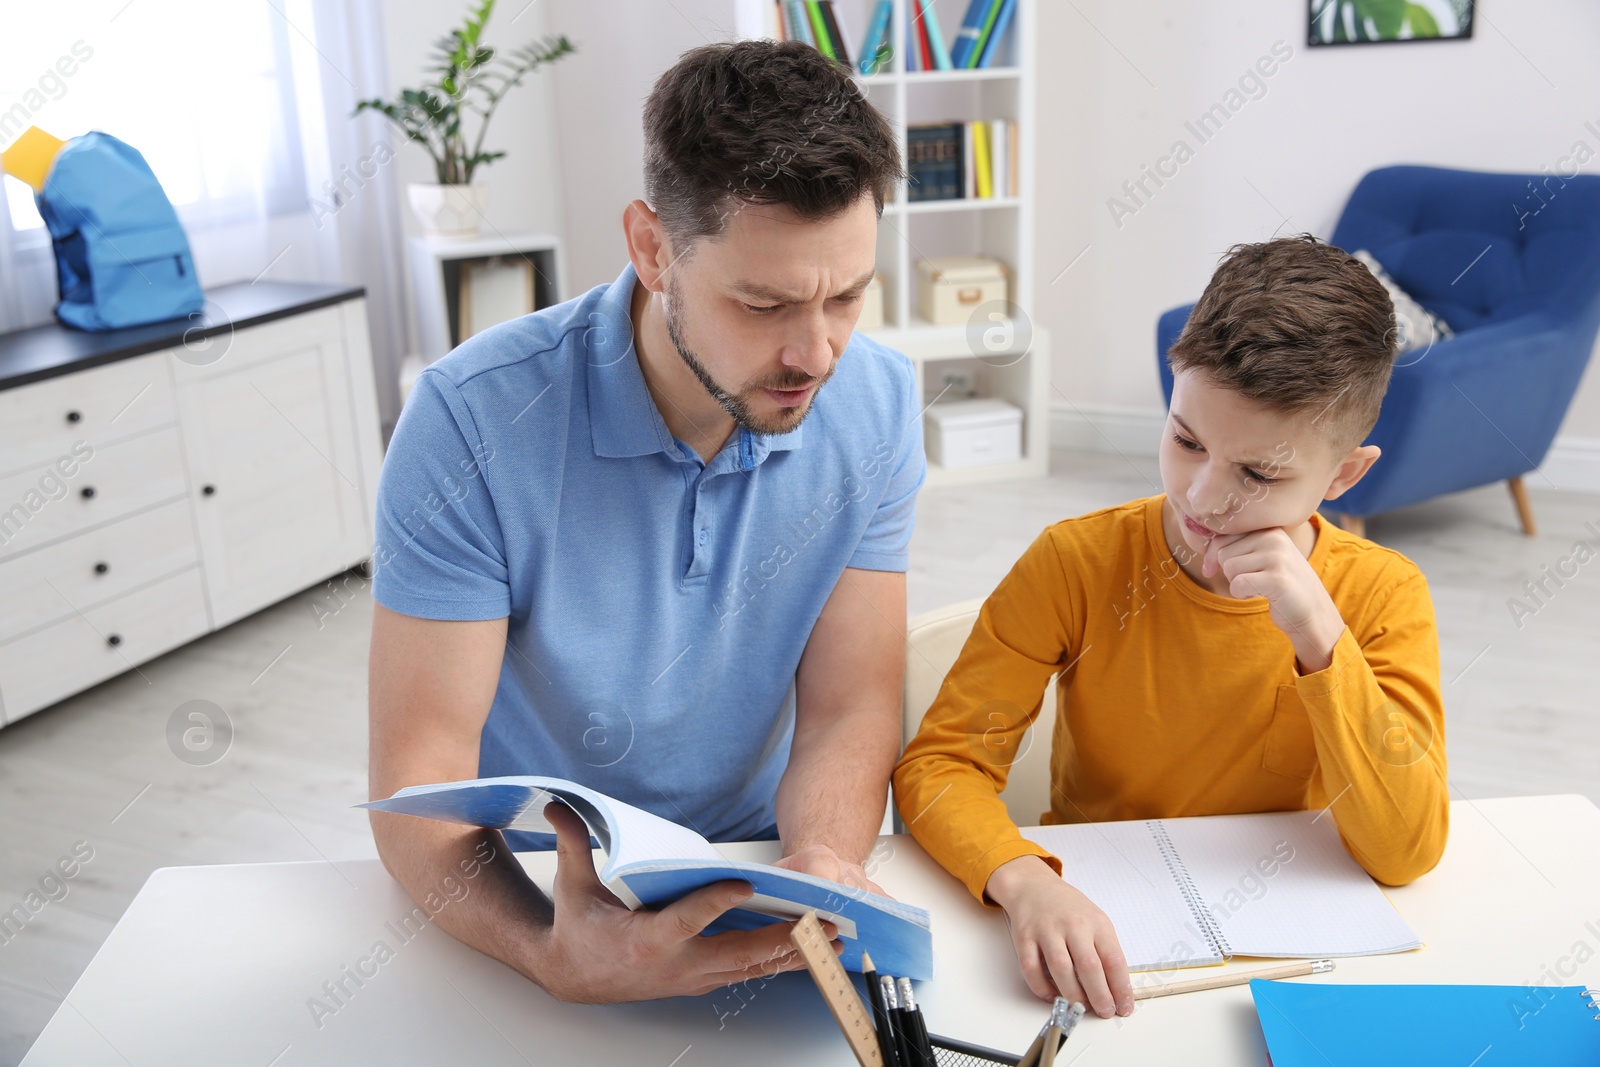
1520, 703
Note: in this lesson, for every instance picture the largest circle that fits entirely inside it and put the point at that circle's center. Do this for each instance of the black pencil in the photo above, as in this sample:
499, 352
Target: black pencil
898, 1022
887, 1042
922, 1052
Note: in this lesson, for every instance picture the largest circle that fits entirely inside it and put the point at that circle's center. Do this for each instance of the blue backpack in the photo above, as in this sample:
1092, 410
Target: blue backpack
122, 258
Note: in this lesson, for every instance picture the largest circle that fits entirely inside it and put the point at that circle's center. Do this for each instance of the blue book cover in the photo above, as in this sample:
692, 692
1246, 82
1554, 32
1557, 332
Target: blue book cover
971, 30
877, 36
936, 44
1404, 1025
651, 862
799, 23
1001, 21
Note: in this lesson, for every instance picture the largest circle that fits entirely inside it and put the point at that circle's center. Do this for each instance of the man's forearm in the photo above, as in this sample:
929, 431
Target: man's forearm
470, 884
837, 782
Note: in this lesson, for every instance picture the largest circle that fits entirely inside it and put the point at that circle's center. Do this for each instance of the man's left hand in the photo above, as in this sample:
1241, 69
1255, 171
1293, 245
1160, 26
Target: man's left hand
820, 861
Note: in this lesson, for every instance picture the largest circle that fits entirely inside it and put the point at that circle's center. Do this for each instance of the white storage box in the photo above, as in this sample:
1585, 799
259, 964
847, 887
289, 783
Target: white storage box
951, 288
872, 305
972, 433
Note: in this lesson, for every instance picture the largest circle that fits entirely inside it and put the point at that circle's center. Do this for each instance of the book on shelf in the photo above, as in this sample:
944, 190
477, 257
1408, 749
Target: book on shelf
651, 862
817, 23
875, 49
962, 160
997, 34
919, 33
930, 17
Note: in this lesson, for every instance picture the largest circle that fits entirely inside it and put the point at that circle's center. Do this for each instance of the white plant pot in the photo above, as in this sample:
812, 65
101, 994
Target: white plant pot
449, 210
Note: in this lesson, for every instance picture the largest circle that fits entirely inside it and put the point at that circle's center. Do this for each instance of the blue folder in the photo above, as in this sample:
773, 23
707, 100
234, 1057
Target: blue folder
1320, 1025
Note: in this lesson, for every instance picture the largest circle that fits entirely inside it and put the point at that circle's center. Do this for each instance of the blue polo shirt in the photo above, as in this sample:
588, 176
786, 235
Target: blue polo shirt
657, 605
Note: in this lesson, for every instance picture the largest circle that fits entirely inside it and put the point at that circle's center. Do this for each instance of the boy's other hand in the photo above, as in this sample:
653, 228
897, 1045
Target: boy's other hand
1267, 563
1065, 944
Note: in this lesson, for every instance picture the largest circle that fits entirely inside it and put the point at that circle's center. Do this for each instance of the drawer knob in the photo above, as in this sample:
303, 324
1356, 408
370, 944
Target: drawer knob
209, 490
101, 568
87, 492
114, 640
74, 416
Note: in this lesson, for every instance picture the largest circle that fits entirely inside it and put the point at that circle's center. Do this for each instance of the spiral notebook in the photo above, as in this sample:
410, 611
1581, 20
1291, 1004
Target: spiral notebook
1195, 891
1403, 1025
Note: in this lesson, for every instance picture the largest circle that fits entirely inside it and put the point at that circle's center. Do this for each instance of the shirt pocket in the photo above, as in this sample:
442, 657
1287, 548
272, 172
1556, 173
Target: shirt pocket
1290, 750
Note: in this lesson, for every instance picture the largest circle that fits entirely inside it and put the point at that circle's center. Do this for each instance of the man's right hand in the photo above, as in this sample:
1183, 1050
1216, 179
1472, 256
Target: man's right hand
1065, 944
598, 951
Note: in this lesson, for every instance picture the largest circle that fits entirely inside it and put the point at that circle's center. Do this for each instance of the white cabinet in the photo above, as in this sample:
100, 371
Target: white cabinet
279, 498
147, 500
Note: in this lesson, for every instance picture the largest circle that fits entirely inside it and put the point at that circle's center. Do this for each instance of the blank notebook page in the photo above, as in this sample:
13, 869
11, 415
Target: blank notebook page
1317, 902
1119, 866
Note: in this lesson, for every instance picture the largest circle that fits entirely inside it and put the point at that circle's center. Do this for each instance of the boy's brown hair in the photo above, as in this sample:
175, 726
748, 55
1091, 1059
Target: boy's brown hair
761, 122
1300, 326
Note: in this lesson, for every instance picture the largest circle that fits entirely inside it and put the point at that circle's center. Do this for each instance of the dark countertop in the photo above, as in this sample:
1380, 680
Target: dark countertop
47, 351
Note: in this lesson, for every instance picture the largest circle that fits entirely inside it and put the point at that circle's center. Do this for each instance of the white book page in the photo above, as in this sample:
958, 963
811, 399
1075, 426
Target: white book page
628, 834
638, 836
1282, 884
1118, 866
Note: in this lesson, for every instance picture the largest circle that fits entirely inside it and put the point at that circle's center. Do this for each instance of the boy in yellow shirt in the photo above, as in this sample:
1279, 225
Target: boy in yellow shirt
1219, 647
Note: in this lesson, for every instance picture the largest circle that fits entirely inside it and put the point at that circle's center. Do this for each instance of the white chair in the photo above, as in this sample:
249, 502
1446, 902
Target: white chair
933, 641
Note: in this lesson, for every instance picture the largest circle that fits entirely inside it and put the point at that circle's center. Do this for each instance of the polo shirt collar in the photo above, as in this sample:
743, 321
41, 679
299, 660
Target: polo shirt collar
623, 420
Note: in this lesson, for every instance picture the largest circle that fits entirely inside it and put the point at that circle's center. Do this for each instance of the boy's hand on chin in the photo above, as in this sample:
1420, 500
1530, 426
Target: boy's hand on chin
1065, 944
1267, 563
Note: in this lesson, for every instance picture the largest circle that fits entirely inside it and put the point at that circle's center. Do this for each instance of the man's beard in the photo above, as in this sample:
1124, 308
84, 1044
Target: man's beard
736, 404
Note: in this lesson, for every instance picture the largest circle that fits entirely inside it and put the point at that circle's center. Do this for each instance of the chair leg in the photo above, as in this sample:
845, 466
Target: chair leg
1519, 495
1353, 523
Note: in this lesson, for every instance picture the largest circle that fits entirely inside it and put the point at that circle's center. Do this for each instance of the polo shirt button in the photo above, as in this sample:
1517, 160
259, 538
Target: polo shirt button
705, 536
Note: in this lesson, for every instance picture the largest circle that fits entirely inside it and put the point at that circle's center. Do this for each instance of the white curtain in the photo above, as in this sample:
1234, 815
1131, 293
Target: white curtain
243, 110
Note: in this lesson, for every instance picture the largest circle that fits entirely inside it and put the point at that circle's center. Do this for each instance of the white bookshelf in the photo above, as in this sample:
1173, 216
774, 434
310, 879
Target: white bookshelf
1017, 369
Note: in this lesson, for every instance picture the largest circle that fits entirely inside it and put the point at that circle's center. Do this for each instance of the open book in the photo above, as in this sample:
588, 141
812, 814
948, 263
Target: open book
651, 862
1195, 891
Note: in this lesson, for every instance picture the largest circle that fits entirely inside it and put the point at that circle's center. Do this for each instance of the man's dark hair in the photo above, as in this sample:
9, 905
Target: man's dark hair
1300, 326
761, 122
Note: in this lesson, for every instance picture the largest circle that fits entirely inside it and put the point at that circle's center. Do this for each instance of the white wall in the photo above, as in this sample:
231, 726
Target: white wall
526, 186
623, 47
1121, 80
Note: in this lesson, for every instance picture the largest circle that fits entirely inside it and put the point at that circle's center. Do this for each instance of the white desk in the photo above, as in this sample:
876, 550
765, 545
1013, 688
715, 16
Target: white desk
215, 965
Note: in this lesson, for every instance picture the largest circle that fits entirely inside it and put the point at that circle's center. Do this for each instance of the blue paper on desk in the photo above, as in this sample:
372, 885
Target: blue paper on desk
651, 862
1405, 1025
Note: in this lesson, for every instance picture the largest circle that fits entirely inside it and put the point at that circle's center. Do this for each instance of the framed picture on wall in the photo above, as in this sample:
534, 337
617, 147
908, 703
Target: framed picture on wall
1388, 21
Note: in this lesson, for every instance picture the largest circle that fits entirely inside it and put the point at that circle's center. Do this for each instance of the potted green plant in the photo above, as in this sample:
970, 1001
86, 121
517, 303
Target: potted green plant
471, 79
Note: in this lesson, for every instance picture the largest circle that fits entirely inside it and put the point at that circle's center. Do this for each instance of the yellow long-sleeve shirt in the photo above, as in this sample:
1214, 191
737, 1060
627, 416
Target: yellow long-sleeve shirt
1173, 700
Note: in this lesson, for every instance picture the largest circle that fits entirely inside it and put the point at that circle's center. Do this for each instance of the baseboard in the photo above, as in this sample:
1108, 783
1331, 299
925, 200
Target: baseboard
1573, 464
1104, 428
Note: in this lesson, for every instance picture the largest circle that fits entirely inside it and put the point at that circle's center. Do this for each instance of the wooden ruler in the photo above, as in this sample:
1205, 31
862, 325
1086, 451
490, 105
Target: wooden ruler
836, 989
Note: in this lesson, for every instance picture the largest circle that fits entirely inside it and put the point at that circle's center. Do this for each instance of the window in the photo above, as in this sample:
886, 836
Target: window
201, 88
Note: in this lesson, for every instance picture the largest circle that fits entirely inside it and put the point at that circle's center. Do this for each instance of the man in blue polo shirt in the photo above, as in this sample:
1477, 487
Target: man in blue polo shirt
654, 540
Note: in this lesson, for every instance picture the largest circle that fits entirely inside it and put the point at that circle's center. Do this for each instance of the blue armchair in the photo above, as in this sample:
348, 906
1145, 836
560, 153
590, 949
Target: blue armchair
1511, 262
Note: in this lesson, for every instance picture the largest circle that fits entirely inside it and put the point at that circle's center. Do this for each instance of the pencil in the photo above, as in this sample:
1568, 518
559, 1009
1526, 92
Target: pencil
1293, 970
921, 1051
880, 1013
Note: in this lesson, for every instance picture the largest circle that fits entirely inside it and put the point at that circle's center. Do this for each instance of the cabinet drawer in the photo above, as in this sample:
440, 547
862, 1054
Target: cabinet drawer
43, 420
57, 661
92, 568
39, 505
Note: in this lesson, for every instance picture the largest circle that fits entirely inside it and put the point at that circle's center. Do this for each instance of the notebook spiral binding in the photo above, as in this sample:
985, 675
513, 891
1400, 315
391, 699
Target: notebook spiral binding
1593, 996
1208, 927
